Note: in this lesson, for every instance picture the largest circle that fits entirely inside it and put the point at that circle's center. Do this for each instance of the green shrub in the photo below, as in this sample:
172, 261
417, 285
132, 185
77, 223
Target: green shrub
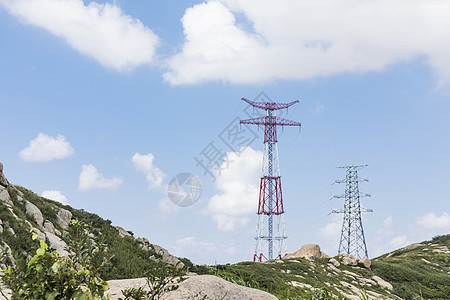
49, 276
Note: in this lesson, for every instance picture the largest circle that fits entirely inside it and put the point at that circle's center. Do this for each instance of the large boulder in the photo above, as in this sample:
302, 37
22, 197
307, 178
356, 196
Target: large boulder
4, 196
173, 260
348, 259
56, 243
49, 227
63, 218
308, 251
3, 181
214, 288
206, 287
365, 262
35, 213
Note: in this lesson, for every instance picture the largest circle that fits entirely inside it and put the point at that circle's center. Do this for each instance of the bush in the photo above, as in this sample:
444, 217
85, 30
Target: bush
49, 276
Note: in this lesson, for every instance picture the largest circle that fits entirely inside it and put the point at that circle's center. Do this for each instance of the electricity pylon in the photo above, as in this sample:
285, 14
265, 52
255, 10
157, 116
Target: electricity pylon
352, 233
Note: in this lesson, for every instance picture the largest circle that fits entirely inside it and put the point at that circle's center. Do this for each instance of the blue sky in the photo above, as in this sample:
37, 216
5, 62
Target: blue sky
102, 103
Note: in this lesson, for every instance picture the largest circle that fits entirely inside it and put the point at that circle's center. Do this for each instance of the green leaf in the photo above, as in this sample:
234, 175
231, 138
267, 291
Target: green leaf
55, 267
51, 296
40, 251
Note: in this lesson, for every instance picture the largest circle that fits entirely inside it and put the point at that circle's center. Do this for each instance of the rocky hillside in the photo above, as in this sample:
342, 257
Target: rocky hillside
419, 271
22, 211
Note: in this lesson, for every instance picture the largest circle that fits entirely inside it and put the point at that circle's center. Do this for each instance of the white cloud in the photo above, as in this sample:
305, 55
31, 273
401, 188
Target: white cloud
166, 206
298, 39
55, 195
100, 31
46, 148
192, 244
399, 242
330, 235
144, 164
431, 221
331, 230
386, 227
90, 179
238, 186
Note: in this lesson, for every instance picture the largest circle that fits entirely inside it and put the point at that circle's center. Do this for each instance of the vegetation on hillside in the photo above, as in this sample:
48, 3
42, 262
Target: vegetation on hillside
422, 271
128, 258
47, 275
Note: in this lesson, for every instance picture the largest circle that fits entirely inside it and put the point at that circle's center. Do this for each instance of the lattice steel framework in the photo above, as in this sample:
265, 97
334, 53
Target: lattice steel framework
270, 194
352, 234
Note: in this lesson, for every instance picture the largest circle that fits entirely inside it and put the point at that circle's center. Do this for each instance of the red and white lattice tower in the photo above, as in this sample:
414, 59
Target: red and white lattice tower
270, 195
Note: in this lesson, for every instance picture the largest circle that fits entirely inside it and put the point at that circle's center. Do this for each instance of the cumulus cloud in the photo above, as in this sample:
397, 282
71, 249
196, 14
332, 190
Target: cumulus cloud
55, 195
46, 148
100, 31
191, 243
247, 42
90, 179
238, 187
398, 242
431, 221
144, 164
330, 234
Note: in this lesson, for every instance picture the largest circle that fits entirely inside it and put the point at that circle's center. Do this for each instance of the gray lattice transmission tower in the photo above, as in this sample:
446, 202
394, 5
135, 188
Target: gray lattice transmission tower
352, 233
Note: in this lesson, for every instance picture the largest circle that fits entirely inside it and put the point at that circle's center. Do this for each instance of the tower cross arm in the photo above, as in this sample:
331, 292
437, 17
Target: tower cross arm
270, 120
270, 105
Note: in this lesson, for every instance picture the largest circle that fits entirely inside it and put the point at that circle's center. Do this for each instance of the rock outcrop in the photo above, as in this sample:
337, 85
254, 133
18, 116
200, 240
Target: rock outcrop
173, 260
49, 227
308, 251
34, 212
63, 218
3, 181
196, 287
56, 243
365, 262
382, 283
4, 196
348, 259
122, 232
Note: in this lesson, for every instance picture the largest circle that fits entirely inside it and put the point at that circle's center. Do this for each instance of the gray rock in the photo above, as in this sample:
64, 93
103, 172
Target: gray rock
334, 262
63, 218
173, 260
3, 180
116, 286
365, 262
308, 251
40, 234
206, 287
57, 244
348, 259
35, 213
214, 288
1, 229
382, 283
4, 196
11, 231
122, 232
48, 227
